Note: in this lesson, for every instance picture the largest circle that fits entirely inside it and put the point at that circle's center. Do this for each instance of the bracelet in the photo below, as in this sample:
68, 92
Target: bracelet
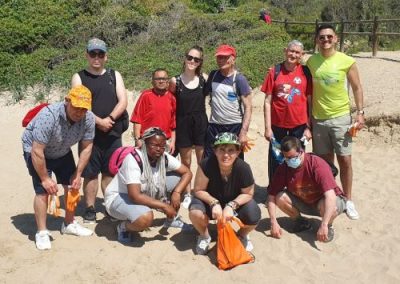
213, 203
112, 118
233, 204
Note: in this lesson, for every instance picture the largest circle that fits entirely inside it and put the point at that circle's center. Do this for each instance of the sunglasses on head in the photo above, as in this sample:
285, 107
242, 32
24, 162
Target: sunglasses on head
195, 59
323, 37
94, 54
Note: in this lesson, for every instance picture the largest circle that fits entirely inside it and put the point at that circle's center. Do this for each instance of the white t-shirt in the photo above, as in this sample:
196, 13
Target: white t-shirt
130, 173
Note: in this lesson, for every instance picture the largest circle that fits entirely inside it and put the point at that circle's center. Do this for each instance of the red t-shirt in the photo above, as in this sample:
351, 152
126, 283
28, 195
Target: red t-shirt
289, 97
152, 110
309, 182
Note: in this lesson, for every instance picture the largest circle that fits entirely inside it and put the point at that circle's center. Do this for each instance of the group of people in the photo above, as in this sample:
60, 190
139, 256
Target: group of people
170, 118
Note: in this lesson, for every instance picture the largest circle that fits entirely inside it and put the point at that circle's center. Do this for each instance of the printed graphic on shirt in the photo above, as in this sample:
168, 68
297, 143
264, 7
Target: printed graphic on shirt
288, 92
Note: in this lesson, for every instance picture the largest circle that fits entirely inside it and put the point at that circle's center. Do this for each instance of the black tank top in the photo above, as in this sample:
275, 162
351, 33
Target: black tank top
190, 101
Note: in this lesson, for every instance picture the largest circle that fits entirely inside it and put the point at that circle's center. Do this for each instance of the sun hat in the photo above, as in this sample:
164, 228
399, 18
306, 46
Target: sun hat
225, 50
80, 96
96, 44
226, 138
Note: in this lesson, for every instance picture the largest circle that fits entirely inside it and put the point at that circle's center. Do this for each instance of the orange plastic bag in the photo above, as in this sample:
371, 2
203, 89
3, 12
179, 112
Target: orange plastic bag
230, 251
53, 205
73, 198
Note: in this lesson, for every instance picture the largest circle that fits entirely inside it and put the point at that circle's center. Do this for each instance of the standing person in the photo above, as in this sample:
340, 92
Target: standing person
224, 186
135, 190
230, 96
331, 117
109, 107
155, 107
287, 91
191, 117
304, 184
47, 142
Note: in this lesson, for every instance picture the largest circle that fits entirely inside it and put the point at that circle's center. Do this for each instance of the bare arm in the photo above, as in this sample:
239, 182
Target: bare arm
276, 230
172, 85
172, 142
137, 127
329, 213
354, 79
247, 103
121, 95
39, 163
267, 117
186, 177
84, 157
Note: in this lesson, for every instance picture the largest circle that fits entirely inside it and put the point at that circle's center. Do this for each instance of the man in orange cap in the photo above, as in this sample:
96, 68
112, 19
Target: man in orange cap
230, 96
47, 142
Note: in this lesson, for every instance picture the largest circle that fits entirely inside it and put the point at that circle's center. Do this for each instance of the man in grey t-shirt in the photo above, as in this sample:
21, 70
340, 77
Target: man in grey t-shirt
46, 143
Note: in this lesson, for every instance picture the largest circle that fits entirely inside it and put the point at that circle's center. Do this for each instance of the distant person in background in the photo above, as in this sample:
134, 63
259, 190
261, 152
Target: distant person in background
331, 117
191, 117
109, 107
231, 100
265, 16
156, 107
288, 88
47, 142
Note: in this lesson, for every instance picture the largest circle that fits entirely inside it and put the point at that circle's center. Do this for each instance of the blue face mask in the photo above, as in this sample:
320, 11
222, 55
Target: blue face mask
293, 162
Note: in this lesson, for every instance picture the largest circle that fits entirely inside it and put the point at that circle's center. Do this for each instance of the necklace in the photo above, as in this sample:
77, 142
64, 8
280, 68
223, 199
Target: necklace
225, 173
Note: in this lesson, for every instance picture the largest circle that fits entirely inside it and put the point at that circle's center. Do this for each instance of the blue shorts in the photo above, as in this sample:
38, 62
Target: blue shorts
63, 168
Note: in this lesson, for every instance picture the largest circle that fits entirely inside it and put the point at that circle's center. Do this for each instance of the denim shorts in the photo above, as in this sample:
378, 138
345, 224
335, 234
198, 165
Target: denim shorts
63, 169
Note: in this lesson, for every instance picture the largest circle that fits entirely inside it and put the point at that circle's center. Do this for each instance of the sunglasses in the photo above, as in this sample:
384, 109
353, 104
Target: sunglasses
160, 79
195, 59
323, 37
94, 54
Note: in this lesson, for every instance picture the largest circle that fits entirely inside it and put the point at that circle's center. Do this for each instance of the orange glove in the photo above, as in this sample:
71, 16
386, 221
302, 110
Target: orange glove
73, 198
248, 145
53, 205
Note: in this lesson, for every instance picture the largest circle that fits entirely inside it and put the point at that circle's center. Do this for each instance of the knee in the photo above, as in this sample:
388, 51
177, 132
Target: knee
144, 221
282, 200
196, 216
250, 214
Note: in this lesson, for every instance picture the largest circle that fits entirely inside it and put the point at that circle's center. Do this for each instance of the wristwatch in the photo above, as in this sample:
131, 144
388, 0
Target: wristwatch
360, 112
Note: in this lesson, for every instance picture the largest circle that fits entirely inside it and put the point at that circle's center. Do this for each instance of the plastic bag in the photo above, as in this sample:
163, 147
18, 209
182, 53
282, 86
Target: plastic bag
53, 205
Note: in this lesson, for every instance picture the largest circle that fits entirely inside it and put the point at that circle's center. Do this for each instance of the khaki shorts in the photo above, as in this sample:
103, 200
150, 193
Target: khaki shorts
331, 136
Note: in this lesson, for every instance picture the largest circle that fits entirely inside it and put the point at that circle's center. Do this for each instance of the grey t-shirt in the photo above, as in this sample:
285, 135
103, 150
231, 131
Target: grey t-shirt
224, 102
52, 128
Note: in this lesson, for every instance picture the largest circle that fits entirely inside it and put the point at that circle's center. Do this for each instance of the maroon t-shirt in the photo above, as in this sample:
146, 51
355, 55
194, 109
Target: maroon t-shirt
309, 182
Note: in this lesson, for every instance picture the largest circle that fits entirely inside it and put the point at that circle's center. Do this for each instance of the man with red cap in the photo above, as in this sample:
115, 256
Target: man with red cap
230, 97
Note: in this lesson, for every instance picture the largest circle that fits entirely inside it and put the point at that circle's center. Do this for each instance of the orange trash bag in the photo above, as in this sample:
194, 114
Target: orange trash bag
73, 198
53, 205
230, 251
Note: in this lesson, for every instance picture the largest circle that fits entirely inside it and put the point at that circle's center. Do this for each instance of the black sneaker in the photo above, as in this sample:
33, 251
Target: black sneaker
90, 215
301, 224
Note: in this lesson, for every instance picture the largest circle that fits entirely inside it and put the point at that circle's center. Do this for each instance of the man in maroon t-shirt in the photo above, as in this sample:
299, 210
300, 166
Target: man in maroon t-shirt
304, 184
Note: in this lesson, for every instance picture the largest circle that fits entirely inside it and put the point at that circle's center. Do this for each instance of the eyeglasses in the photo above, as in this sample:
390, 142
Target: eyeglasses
160, 79
323, 37
295, 157
156, 146
93, 54
195, 59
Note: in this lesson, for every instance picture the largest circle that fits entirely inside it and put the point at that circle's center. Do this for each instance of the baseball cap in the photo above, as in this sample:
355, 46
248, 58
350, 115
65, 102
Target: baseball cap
226, 138
96, 44
225, 50
80, 96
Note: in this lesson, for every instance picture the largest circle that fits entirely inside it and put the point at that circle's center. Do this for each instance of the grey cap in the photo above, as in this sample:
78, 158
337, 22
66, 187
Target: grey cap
96, 44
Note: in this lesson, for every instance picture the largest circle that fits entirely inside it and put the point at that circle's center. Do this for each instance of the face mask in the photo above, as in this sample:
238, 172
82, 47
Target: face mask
293, 162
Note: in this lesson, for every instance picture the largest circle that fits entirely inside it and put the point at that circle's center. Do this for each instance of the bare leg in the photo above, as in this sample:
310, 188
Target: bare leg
199, 150
243, 232
346, 174
328, 157
199, 221
285, 204
321, 207
186, 158
105, 181
40, 208
90, 188
141, 223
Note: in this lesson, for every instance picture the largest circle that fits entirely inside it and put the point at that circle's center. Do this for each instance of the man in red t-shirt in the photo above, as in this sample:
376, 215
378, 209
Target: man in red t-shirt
287, 94
304, 184
155, 107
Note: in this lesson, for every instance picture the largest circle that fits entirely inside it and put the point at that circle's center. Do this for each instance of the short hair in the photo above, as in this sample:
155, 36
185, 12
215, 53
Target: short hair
325, 27
158, 70
289, 143
296, 43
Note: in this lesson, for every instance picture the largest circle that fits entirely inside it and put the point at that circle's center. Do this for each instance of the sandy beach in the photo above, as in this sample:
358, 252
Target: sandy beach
363, 251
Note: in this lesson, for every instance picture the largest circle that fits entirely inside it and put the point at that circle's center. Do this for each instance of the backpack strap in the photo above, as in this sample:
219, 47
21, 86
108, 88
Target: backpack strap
178, 85
277, 69
111, 75
307, 73
212, 75
137, 158
237, 94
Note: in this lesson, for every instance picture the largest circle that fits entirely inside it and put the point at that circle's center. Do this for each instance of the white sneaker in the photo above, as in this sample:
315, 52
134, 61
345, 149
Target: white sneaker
75, 229
42, 240
177, 223
186, 201
248, 245
202, 245
351, 210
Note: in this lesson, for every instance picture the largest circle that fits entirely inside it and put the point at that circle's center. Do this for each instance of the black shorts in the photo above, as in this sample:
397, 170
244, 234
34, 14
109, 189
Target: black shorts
100, 157
191, 130
248, 213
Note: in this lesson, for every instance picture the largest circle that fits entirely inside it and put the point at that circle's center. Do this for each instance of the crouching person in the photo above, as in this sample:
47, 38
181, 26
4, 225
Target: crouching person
136, 190
224, 187
304, 184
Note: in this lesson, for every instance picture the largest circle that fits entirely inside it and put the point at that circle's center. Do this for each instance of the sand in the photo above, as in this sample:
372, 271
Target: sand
362, 251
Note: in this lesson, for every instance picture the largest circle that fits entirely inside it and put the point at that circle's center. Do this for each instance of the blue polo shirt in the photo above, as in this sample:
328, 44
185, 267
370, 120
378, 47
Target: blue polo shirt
52, 128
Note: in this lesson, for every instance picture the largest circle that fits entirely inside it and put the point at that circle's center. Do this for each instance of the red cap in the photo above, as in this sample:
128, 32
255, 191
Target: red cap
225, 50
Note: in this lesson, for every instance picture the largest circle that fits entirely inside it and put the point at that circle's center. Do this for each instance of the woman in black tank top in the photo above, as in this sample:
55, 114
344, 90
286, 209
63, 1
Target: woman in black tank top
191, 117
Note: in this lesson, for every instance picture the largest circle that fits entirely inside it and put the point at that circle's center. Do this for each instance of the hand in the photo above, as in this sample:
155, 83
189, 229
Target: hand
322, 234
268, 134
169, 211
307, 133
176, 200
228, 213
105, 124
216, 212
243, 139
171, 147
360, 121
50, 185
139, 143
276, 230
76, 182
